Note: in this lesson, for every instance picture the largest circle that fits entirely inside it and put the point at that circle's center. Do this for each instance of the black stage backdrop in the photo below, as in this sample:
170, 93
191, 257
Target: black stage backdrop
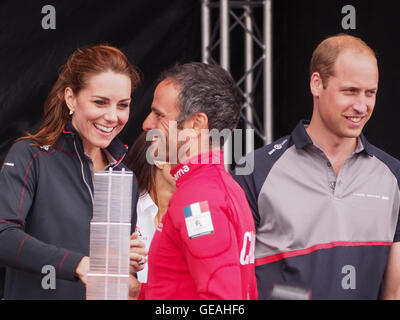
157, 34
301, 25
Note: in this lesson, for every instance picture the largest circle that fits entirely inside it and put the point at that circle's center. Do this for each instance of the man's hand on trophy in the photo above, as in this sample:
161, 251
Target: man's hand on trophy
138, 254
83, 269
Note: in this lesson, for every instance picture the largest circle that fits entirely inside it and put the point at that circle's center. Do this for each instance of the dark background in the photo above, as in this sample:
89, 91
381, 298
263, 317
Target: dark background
156, 34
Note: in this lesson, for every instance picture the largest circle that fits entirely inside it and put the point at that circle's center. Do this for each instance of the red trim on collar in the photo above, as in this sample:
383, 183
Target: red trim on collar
65, 131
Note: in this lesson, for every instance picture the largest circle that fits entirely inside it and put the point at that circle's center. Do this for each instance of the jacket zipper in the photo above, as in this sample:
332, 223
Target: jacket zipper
83, 174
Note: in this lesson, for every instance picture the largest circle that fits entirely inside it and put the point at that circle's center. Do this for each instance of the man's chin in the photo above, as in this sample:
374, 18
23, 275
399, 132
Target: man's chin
351, 133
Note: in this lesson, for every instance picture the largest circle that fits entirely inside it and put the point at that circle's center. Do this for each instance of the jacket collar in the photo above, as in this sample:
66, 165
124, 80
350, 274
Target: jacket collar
301, 139
186, 168
116, 149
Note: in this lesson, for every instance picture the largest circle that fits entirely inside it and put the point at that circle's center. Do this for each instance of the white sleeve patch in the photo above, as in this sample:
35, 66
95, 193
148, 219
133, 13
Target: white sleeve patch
198, 219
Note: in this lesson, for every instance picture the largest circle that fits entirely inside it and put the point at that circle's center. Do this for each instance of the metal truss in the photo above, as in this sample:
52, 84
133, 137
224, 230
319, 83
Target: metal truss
220, 18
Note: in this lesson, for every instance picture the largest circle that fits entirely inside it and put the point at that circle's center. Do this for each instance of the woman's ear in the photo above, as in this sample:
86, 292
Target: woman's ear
160, 164
69, 97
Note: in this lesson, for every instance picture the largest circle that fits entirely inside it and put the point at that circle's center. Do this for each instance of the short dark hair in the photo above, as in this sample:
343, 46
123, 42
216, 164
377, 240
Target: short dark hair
206, 88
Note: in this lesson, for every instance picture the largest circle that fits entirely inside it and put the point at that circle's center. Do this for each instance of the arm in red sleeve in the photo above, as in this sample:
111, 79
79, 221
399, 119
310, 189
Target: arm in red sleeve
212, 259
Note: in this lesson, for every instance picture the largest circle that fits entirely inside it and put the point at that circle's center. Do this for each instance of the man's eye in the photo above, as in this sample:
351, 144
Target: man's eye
350, 91
370, 93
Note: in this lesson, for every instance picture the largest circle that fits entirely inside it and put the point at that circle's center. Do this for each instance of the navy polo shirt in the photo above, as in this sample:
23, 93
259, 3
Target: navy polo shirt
328, 234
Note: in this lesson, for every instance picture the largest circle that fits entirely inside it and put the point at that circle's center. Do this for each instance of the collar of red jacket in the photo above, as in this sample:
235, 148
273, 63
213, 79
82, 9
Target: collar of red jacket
212, 158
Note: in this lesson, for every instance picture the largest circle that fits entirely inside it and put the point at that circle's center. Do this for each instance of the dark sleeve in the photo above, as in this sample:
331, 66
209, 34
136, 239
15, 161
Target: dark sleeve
18, 249
2, 277
135, 199
246, 182
394, 166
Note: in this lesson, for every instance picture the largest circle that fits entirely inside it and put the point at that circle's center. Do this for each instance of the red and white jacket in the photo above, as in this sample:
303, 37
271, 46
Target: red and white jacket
204, 246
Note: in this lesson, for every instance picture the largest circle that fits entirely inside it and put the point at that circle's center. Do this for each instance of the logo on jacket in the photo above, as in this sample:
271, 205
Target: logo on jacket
247, 252
277, 147
45, 147
8, 164
198, 219
181, 172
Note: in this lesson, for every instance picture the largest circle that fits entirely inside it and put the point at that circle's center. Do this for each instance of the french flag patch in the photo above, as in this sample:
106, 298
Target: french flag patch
198, 219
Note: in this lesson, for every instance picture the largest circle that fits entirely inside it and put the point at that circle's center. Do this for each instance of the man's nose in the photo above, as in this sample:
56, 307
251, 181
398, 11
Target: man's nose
361, 105
148, 123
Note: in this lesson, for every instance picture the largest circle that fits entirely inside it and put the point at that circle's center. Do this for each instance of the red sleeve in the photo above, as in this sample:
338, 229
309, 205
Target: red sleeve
142, 291
213, 259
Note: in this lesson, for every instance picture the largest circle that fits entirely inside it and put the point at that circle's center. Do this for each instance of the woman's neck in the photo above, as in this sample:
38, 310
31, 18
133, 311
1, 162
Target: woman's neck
161, 194
98, 158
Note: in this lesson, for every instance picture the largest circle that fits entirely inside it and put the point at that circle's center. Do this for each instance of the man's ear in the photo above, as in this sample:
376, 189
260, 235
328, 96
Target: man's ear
316, 84
200, 121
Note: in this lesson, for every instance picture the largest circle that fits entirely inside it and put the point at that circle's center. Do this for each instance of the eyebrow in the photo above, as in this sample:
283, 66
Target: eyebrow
153, 108
105, 98
357, 88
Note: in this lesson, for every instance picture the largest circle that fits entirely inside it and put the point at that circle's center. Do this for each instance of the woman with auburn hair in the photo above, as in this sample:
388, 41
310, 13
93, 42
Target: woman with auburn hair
46, 187
156, 186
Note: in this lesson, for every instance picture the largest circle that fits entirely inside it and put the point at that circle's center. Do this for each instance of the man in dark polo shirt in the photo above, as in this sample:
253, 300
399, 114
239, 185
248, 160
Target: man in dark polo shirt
326, 201
2, 276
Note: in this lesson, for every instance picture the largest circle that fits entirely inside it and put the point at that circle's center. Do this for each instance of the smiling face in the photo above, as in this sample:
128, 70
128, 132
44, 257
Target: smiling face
347, 102
101, 109
164, 109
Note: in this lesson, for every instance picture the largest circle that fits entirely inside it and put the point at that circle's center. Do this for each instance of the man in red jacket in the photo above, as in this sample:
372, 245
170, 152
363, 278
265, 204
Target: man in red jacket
204, 245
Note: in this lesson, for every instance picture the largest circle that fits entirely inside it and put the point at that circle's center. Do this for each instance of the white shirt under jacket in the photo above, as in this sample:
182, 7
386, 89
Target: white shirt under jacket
146, 212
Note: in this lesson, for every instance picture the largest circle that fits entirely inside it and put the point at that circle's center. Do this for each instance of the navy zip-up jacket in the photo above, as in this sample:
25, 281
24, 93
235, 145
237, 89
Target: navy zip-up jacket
45, 213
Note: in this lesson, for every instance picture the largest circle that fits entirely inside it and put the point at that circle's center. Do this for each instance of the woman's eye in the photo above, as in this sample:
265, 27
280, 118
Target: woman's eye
100, 102
124, 105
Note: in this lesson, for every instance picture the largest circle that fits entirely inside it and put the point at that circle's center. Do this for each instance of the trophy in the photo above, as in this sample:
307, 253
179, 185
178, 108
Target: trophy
110, 228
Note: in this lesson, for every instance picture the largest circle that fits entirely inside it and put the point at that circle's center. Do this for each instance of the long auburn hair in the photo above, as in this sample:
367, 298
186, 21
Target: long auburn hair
82, 64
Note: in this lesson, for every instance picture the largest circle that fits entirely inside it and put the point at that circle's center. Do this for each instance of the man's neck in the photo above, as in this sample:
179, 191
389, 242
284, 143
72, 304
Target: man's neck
337, 149
205, 147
